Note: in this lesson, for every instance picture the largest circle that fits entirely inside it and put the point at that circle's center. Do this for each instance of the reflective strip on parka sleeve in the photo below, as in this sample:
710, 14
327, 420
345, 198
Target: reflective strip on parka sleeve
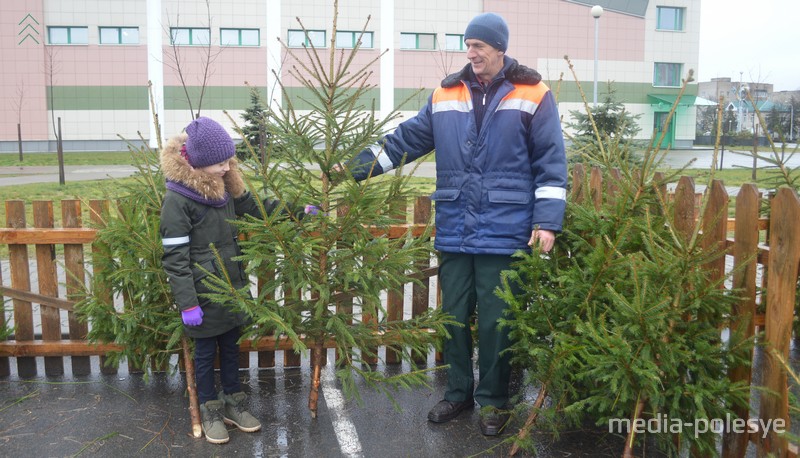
551, 192
174, 241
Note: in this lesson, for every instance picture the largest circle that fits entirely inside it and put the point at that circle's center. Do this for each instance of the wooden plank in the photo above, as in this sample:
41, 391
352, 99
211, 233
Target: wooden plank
75, 280
32, 236
67, 347
784, 242
36, 236
596, 187
684, 211
613, 187
420, 294
743, 314
28, 296
715, 228
394, 299
48, 284
21, 280
578, 191
5, 364
99, 213
266, 359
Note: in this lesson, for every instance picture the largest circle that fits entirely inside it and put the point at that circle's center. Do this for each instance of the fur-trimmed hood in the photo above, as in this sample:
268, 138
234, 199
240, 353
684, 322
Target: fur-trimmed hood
212, 187
513, 71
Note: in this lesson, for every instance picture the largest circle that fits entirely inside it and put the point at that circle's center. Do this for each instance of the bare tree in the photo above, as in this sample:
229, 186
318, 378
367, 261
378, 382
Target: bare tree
175, 62
51, 70
17, 104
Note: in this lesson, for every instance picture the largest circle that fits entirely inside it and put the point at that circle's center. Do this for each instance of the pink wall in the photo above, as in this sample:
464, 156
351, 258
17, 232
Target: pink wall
230, 66
95, 65
554, 28
365, 57
22, 79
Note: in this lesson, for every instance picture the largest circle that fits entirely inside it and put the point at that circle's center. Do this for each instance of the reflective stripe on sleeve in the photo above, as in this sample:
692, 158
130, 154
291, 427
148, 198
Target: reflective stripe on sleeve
173, 241
383, 158
551, 192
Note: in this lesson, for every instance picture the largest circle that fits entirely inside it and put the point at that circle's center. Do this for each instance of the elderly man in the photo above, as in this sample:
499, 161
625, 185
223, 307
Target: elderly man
501, 181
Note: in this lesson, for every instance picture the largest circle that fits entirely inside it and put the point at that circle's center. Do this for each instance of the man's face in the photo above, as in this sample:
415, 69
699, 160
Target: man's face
486, 60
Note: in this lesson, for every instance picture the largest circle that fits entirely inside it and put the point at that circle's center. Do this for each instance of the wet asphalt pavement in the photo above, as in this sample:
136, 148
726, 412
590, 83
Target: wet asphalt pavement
125, 415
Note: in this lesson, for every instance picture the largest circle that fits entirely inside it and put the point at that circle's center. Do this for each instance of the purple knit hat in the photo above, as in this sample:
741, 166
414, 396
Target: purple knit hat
208, 143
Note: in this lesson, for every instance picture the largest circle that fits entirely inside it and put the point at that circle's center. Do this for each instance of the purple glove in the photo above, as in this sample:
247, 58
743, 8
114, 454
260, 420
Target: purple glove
192, 316
311, 210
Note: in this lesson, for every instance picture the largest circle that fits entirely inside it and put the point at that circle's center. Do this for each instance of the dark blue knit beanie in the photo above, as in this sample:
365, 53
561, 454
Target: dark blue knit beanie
208, 143
490, 28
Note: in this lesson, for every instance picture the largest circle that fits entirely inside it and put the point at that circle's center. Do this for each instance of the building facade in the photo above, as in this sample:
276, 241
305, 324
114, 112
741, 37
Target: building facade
103, 68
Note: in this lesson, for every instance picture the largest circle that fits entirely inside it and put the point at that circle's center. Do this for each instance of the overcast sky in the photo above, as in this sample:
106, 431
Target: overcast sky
760, 38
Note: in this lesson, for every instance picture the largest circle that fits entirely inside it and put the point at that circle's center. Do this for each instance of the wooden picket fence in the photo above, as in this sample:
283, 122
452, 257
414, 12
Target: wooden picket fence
778, 261
780, 258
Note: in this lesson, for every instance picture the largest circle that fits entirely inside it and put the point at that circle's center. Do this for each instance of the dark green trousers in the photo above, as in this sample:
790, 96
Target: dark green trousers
468, 283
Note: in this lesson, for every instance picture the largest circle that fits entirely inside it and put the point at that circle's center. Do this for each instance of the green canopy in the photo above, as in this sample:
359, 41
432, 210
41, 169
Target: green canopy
686, 100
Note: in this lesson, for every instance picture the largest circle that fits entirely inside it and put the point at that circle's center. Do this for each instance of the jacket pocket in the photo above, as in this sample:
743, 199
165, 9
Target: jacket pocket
201, 272
445, 195
503, 196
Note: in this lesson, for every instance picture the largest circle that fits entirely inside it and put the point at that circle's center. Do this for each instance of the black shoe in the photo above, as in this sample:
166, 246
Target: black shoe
494, 420
447, 410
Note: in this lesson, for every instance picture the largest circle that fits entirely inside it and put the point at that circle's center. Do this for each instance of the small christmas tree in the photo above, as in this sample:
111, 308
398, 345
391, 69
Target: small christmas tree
256, 131
333, 255
621, 320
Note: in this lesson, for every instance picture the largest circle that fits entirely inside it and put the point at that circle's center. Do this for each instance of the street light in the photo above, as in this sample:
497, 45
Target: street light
597, 11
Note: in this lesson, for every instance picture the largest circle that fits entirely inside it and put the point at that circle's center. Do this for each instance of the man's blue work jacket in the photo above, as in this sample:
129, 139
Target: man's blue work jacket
495, 185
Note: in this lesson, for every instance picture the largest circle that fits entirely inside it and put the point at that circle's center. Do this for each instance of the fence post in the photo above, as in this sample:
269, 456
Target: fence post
20, 279
596, 187
577, 194
99, 212
48, 285
745, 249
715, 228
784, 255
684, 207
420, 294
395, 298
75, 279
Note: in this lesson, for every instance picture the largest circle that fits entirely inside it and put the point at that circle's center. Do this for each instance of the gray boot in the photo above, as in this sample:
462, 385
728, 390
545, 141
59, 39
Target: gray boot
213, 425
234, 413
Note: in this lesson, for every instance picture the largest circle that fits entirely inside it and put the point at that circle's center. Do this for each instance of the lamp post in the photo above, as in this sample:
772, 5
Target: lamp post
597, 11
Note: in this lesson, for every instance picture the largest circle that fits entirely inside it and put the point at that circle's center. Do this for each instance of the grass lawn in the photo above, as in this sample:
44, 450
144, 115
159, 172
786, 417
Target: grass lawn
72, 158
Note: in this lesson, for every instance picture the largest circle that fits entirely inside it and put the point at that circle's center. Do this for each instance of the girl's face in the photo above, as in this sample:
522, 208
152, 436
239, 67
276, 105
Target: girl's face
218, 169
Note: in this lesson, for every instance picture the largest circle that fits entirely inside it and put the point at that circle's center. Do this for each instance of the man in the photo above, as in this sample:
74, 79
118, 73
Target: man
501, 180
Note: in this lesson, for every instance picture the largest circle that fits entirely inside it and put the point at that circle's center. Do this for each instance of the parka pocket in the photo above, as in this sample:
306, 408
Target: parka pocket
201, 271
505, 196
445, 195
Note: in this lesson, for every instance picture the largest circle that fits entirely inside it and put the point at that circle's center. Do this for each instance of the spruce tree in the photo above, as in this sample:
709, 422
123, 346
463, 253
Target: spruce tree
256, 130
316, 262
621, 319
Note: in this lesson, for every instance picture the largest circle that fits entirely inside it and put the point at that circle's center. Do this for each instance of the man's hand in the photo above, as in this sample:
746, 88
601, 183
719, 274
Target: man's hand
544, 238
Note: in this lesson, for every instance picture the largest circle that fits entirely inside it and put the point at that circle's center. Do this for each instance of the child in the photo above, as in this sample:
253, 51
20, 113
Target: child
204, 192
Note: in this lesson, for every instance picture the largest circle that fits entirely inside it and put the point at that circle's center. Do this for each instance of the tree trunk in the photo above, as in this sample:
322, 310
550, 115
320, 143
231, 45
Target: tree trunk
628, 451
194, 406
523, 432
19, 140
316, 364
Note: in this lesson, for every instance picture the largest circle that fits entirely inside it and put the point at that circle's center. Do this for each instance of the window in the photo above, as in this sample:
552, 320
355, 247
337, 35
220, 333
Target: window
667, 74
454, 42
239, 37
298, 39
669, 18
417, 41
190, 36
119, 35
348, 39
68, 35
